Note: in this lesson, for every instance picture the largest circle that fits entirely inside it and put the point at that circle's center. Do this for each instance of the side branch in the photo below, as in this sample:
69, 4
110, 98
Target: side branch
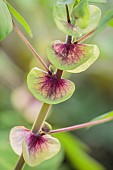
81, 126
29, 45
85, 37
68, 37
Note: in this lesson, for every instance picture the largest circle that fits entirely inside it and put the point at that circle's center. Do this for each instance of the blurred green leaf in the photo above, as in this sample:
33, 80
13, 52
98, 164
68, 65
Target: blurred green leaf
10, 118
76, 155
65, 1
111, 23
106, 115
5, 20
97, 1
7, 157
105, 20
19, 18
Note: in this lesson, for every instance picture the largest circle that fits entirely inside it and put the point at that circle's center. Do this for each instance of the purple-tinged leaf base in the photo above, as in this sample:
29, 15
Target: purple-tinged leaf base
71, 56
35, 148
38, 148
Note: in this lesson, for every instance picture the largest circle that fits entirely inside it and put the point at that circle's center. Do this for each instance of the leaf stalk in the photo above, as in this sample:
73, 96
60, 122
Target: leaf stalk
81, 126
29, 45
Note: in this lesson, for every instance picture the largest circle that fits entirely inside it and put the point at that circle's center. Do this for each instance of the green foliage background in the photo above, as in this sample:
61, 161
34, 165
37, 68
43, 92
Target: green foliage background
93, 96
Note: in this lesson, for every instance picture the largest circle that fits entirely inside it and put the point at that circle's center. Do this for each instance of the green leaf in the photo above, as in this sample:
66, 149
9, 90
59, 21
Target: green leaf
106, 115
19, 18
5, 151
97, 1
81, 14
65, 1
88, 63
5, 21
76, 154
106, 18
95, 15
111, 23
72, 56
48, 88
60, 17
39, 149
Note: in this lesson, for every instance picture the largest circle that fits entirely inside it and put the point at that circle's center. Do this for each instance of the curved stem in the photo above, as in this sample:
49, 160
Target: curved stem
35, 129
29, 45
81, 126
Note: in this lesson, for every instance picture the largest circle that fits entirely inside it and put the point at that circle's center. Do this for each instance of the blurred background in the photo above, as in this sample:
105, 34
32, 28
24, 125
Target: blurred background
83, 149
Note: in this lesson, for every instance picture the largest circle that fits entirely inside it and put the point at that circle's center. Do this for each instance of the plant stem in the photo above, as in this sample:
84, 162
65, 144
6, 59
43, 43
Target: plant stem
68, 37
45, 108
29, 45
81, 126
68, 41
40, 118
67, 12
35, 129
20, 163
59, 73
85, 37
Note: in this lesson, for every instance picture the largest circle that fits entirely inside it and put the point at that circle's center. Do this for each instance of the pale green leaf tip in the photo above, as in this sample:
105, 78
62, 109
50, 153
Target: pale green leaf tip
16, 137
6, 25
98, 1
19, 18
88, 63
63, 2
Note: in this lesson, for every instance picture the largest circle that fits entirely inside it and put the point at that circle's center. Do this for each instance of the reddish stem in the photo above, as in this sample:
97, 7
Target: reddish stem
85, 36
29, 45
59, 73
81, 126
